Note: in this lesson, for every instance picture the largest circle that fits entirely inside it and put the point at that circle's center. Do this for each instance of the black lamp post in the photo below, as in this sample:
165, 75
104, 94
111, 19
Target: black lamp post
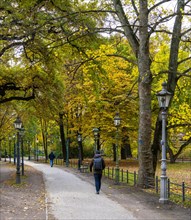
79, 137
22, 150
37, 141
29, 150
67, 151
5, 152
18, 125
96, 136
14, 149
117, 121
164, 99
9, 149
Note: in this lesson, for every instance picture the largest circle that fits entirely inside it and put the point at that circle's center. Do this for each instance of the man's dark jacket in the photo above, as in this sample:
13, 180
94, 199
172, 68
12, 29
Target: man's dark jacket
92, 163
51, 156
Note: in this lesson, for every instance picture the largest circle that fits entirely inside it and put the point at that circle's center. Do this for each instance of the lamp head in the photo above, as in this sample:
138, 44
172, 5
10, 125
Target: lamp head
164, 96
79, 137
18, 123
96, 131
117, 119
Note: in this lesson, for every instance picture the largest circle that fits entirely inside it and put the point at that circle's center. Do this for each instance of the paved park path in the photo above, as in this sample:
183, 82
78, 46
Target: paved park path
70, 197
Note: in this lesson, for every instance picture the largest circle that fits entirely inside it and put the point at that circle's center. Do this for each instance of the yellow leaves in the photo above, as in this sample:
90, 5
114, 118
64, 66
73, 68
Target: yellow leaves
101, 52
180, 121
160, 59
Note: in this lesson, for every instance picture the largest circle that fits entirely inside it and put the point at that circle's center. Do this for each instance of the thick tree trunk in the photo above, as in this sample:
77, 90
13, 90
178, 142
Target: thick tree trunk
126, 148
123, 153
172, 157
145, 78
141, 51
144, 145
44, 137
114, 152
45, 144
0, 150
156, 142
172, 78
174, 48
62, 136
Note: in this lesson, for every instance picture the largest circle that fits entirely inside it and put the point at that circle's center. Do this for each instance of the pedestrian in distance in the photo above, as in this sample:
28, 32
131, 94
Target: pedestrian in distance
98, 165
51, 157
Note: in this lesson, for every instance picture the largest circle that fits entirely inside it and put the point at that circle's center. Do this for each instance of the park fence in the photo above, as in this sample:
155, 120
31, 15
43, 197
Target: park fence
175, 191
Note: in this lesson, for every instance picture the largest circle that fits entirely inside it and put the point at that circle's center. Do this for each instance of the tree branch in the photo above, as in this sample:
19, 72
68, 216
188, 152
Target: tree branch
17, 98
126, 26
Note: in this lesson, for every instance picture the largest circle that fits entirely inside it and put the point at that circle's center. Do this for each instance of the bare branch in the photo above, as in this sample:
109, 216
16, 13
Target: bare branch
10, 46
126, 26
123, 57
135, 8
178, 125
185, 32
158, 4
17, 98
182, 61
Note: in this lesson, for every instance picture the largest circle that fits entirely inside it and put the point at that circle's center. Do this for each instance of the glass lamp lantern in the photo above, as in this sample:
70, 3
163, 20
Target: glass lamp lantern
117, 119
79, 137
164, 96
96, 131
18, 123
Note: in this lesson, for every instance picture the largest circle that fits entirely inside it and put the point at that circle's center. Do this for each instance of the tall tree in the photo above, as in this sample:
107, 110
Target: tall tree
138, 27
179, 39
140, 47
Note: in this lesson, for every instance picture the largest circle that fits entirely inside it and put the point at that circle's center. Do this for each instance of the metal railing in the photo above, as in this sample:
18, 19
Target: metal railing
124, 176
176, 191
179, 190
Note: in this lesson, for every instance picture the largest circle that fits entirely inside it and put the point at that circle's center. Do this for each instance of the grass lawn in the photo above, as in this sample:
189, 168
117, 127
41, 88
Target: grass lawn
178, 172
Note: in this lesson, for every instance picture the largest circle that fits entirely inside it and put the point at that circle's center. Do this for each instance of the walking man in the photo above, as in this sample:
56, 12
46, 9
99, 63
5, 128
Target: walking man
51, 157
98, 165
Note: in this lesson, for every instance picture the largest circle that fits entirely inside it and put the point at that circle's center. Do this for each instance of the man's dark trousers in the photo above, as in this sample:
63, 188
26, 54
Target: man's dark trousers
97, 177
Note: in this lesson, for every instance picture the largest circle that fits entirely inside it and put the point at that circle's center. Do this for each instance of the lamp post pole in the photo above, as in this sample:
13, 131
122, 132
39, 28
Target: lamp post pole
29, 149
5, 159
9, 149
37, 149
96, 136
18, 125
95, 144
22, 150
79, 150
18, 177
117, 159
14, 149
163, 184
67, 152
164, 99
117, 121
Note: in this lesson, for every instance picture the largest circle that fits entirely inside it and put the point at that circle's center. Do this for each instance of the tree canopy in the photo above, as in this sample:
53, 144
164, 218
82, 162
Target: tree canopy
86, 60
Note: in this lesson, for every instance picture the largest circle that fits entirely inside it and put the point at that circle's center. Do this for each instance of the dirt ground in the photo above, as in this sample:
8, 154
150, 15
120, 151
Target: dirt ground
28, 200
24, 201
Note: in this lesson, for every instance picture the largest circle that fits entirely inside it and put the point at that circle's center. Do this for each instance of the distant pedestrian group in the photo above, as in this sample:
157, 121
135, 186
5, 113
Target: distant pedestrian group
51, 157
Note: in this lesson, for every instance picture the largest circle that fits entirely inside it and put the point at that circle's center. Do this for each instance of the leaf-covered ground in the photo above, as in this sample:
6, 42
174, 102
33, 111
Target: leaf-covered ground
176, 172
